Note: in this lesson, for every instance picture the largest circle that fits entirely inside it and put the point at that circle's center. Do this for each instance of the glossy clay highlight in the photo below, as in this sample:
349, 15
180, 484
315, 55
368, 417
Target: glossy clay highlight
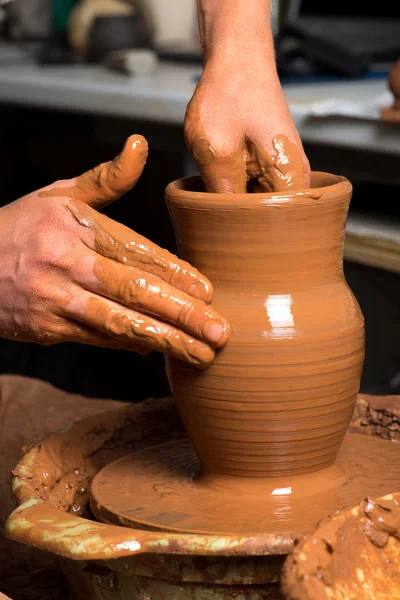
278, 399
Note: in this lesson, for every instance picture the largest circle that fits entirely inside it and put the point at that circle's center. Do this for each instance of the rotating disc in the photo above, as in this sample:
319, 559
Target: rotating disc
156, 488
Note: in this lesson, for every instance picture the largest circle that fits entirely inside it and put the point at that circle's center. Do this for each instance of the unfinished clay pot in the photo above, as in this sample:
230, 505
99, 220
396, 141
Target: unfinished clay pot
278, 399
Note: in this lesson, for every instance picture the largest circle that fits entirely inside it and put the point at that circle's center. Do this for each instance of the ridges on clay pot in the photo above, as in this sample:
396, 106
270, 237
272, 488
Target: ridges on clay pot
278, 399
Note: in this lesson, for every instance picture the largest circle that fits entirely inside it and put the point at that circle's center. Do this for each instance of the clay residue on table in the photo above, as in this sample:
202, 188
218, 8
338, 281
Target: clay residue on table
377, 416
22, 402
29, 410
354, 555
59, 470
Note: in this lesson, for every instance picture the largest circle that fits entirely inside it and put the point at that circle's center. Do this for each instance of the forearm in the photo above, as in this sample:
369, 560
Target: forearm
232, 25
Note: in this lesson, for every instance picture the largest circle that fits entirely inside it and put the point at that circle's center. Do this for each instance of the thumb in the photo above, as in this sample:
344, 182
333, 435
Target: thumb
109, 181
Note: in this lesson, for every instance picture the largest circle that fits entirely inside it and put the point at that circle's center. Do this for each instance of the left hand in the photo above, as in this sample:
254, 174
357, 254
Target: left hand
238, 126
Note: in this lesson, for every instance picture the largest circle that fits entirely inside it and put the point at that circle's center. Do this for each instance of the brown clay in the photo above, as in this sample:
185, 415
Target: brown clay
281, 171
393, 113
268, 417
158, 490
251, 167
111, 179
60, 475
47, 474
29, 410
150, 286
279, 397
377, 416
353, 555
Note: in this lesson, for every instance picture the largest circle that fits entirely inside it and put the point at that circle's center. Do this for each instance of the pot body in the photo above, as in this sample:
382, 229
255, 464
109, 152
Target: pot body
279, 397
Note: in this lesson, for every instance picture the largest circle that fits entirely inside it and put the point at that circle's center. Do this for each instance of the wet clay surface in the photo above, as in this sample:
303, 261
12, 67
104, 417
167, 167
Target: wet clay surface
29, 410
158, 489
354, 555
27, 573
60, 471
108, 181
278, 398
252, 168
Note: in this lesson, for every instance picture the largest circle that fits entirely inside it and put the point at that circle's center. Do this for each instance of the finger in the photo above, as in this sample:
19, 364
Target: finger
61, 329
83, 334
133, 288
281, 169
134, 328
220, 174
119, 243
108, 181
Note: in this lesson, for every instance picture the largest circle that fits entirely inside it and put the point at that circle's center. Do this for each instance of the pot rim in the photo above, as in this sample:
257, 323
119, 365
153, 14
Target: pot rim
324, 187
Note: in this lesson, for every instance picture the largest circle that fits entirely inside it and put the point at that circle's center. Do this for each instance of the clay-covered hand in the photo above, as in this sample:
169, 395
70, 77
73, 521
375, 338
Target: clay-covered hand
69, 273
238, 126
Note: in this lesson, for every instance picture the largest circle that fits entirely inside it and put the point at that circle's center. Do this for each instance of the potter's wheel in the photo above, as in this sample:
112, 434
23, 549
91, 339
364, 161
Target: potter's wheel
156, 488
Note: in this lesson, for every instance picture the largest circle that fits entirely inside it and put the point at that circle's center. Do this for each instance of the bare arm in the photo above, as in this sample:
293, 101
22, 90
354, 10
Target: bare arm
227, 25
238, 125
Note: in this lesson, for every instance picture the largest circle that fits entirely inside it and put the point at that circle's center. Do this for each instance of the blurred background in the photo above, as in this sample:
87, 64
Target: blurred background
78, 76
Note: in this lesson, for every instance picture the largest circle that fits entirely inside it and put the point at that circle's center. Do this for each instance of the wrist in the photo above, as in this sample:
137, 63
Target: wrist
252, 60
240, 50
233, 26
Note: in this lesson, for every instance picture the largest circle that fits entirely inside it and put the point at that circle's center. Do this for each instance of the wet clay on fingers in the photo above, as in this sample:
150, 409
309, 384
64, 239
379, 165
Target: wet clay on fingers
139, 275
138, 293
252, 167
108, 181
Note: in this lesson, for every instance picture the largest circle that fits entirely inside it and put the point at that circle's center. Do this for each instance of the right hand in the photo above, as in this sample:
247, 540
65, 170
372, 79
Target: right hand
71, 274
238, 126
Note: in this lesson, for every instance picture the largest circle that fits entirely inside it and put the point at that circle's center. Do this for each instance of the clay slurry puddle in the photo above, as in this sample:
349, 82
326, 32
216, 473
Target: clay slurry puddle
157, 489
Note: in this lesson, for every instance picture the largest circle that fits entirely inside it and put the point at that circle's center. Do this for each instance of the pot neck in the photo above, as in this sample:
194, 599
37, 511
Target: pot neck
295, 243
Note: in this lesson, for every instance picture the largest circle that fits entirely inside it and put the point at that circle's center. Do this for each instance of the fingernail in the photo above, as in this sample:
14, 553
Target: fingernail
213, 331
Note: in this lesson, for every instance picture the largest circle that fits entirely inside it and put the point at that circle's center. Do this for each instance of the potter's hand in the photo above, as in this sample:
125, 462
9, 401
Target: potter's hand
238, 126
69, 273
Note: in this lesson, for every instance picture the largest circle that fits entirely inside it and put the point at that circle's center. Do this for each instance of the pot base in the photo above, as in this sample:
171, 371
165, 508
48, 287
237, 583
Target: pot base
158, 490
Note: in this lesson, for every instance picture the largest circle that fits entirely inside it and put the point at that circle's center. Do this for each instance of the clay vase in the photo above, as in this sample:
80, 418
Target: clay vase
278, 399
